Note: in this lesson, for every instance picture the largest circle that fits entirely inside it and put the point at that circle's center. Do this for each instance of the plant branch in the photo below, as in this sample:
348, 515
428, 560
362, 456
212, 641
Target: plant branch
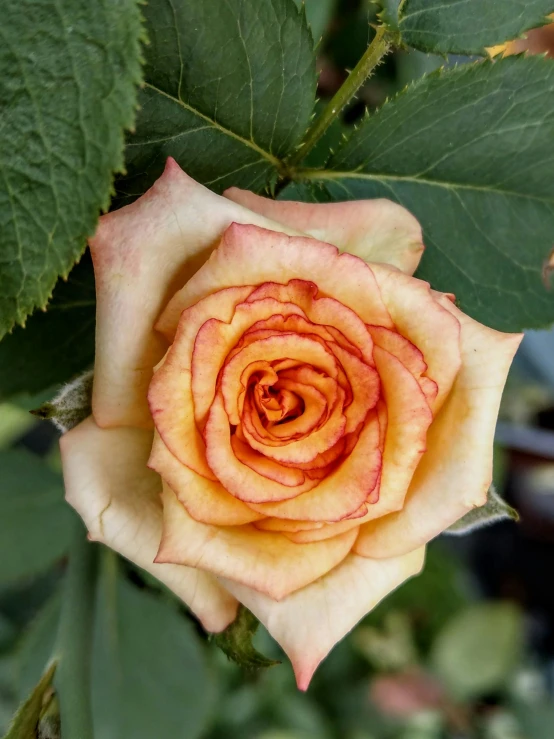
374, 53
74, 644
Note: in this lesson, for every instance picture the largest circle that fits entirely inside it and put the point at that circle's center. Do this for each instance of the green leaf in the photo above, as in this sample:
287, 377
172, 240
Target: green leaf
56, 345
35, 650
468, 152
478, 649
236, 642
468, 26
26, 720
71, 405
230, 88
495, 509
318, 15
150, 677
68, 91
35, 521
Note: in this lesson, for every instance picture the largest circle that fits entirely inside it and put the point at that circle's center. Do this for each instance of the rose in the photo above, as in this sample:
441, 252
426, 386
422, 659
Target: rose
310, 418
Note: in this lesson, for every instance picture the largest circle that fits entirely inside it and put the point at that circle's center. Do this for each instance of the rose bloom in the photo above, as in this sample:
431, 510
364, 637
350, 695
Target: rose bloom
282, 415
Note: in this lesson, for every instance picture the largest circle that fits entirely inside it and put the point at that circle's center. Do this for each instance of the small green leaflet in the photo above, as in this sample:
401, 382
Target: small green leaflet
469, 152
26, 720
468, 26
71, 405
236, 642
495, 509
70, 70
230, 88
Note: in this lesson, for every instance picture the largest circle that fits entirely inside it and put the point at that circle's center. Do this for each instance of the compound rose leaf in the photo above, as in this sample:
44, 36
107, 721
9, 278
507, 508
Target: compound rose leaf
468, 26
468, 152
230, 88
70, 70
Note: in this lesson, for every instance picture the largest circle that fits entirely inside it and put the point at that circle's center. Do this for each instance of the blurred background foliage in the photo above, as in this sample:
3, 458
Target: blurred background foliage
464, 651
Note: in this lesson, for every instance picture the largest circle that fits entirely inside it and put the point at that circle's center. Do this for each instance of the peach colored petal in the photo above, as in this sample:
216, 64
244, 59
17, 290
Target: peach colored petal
143, 253
170, 393
408, 418
409, 355
314, 414
205, 500
172, 408
267, 467
421, 318
267, 562
364, 384
109, 485
456, 470
238, 478
374, 230
309, 447
248, 255
221, 306
343, 491
307, 624
326, 312
301, 348
215, 340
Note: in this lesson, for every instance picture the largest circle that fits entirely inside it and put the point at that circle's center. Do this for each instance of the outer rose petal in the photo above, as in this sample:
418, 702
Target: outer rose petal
374, 230
268, 562
420, 317
456, 471
108, 484
248, 255
308, 623
143, 253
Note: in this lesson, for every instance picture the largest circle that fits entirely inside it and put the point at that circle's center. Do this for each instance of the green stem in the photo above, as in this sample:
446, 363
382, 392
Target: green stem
74, 644
373, 55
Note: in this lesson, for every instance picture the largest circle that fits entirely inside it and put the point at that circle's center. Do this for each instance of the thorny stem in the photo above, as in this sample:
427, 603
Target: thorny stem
374, 53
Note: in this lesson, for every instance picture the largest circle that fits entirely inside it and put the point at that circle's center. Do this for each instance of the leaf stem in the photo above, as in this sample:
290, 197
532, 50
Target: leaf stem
74, 643
374, 53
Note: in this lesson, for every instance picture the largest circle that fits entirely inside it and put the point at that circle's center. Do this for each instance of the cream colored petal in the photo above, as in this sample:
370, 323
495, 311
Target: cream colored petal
374, 230
455, 472
263, 560
249, 255
308, 623
143, 253
109, 485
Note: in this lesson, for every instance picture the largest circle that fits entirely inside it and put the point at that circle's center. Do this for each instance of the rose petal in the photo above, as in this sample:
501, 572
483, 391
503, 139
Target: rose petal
410, 356
170, 395
455, 472
267, 562
421, 318
239, 479
143, 253
343, 491
248, 255
215, 340
302, 348
308, 623
205, 500
374, 230
109, 485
